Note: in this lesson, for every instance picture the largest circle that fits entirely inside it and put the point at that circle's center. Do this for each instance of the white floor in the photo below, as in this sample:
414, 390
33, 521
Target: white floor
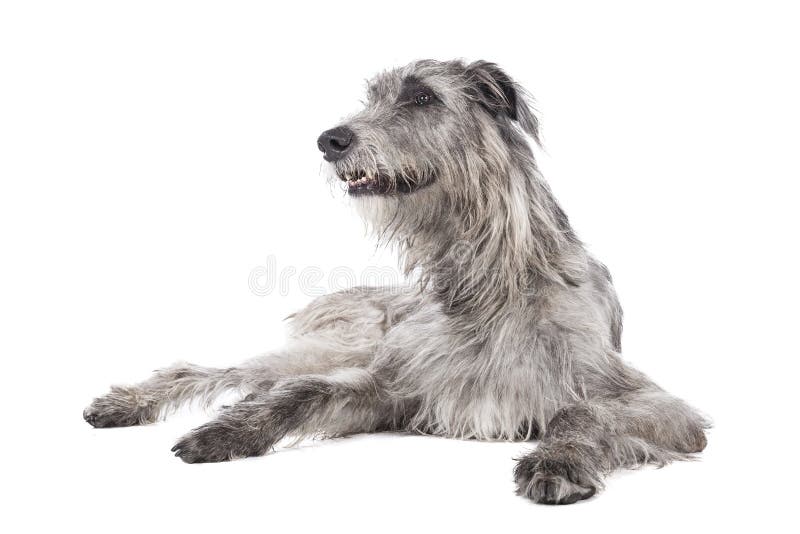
126, 480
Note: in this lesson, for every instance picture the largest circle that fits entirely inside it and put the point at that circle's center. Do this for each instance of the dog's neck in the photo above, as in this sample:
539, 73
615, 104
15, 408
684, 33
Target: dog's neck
491, 260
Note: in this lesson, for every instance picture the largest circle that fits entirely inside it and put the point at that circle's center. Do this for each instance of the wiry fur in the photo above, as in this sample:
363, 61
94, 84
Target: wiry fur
512, 332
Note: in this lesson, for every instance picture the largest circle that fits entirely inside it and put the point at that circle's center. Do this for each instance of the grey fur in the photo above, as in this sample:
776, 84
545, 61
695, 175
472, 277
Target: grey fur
512, 331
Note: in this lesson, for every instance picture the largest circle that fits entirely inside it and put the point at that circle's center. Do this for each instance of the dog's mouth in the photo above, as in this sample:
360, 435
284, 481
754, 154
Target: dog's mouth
365, 182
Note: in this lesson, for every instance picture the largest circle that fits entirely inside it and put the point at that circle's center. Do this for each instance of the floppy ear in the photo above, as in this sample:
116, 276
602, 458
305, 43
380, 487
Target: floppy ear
499, 95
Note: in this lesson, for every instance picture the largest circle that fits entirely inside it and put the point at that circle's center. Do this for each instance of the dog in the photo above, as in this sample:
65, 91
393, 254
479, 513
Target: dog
510, 331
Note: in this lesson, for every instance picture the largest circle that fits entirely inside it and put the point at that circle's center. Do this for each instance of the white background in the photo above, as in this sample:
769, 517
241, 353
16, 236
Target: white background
154, 153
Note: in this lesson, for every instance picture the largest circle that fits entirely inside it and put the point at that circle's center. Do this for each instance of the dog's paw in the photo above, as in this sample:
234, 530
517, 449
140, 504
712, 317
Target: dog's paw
218, 441
123, 406
553, 482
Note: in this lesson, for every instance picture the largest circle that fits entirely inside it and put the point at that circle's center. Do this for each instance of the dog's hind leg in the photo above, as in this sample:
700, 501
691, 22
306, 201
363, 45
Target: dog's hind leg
586, 441
166, 390
336, 331
345, 402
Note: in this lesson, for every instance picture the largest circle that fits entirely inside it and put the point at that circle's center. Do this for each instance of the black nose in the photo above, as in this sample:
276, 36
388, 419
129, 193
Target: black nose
336, 142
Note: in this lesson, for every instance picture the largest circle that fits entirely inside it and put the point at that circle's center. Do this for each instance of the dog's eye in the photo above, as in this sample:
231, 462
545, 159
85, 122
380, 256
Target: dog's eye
422, 98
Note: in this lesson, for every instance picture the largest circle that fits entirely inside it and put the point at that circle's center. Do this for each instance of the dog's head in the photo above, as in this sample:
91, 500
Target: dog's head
446, 128
439, 156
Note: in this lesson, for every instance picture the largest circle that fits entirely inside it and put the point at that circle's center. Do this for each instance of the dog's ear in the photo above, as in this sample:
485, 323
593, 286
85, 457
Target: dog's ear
500, 95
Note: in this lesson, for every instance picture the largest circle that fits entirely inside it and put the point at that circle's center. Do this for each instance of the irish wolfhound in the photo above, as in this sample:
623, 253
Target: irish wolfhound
510, 332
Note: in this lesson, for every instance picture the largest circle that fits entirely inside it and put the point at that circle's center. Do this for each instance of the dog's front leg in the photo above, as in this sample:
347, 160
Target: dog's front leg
586, 441
347, 401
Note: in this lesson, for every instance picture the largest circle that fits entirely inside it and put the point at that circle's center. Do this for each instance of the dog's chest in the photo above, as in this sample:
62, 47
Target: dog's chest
464, 391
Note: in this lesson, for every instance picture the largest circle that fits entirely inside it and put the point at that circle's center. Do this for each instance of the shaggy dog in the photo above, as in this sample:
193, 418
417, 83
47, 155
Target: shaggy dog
512, 331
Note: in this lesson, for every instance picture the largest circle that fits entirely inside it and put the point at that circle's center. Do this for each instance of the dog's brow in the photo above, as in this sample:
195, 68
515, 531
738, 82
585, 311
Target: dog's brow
410, 87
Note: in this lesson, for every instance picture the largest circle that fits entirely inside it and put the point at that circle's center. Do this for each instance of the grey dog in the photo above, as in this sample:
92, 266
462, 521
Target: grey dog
510, 330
